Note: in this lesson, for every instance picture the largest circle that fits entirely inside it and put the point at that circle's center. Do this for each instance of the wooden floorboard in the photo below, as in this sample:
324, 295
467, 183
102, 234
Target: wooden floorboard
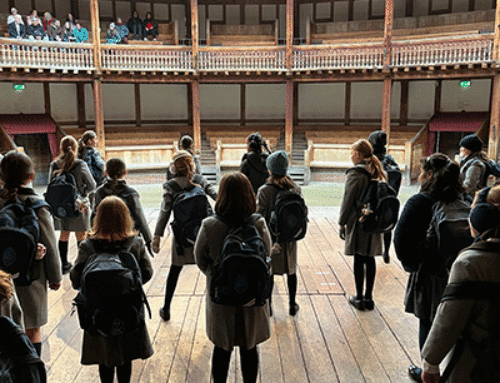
326, 342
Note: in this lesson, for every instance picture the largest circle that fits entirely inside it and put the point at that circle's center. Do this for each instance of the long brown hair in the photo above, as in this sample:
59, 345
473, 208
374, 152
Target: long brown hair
69, 148
113, 221
82, 142
16, 169
236, 199
444, 183
284, 182
184, 167
6, 288
364, 148
115, 168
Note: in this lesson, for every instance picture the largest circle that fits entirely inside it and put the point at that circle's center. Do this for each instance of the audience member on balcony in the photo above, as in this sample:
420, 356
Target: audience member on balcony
35, 31
122, 30
67, 33
81, 33
134, 25
33, 13
48, 19
150, 26
71, 19
55, 31
112, 35
17, 30
253, 163
472, 164
12, 17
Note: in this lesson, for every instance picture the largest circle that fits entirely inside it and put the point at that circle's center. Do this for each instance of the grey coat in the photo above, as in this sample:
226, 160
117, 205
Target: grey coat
472, 171
33, 298
356, 240
11, 308
230, 326
113, 351
469, 317
166, 209
284, 262
85, 184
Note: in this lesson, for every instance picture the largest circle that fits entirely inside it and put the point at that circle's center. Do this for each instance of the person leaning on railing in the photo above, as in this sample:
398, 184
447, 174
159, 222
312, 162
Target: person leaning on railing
55, 31
67, 33
112, 35
35, 31
80, 32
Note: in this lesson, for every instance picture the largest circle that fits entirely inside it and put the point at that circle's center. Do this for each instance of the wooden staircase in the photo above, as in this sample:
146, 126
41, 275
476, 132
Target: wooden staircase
208, 164
297, 172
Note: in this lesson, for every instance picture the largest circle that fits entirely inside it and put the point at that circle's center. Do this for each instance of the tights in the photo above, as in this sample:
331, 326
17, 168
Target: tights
123, 373
292, 289
362, 262
249, 364
387, 241
172, 279
423, 332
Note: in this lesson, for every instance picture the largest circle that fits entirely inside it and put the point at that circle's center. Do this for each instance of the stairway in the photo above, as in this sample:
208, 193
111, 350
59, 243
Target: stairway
297, 171
207, 159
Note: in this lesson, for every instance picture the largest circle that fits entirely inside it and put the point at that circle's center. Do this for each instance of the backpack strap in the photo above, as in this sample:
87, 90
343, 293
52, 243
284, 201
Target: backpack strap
249, 221
361, 170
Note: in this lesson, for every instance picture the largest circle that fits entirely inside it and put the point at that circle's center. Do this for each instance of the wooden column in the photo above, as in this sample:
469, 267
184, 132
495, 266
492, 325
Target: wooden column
386, 107
289, 34
389, 19
289, 117
95, 27
195, 86
347, 113
99, 115
137, 91
437, 96
243, 105
46, 96
195, 33
403, 107
409, 8
80, 98
496, 43
494, 118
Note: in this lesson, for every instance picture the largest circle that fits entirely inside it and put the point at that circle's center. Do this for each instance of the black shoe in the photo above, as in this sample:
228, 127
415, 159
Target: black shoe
369, 304
358, 303
415, 373
165, 314
66, 267
387, 258
293, 309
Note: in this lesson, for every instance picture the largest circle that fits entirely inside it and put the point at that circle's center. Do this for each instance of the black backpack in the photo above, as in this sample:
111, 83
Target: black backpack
96, 171
19, 362
61, 195
394, 175
19, 235
448, 233
190, 207
288, 219
111, 298
492, 168
241, 276
379, 208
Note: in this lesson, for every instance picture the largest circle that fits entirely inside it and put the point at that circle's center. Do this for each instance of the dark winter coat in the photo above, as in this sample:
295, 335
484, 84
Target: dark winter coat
115, 351
253, 165
36, 31
134, 22
472, 170
95, 163
14, 33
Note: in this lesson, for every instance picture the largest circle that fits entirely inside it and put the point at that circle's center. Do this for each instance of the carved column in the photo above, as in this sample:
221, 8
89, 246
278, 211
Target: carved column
195, 94
289, 34
96, 35
386, 107
194, 31
389, 18
99, 116
289, 117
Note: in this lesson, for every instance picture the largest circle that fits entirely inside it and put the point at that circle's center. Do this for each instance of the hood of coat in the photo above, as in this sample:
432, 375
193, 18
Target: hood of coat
378, 141
258, 160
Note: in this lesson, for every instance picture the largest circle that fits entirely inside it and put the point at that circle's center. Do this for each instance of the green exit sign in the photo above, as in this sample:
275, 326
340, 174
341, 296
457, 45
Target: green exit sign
465, 84
19, 87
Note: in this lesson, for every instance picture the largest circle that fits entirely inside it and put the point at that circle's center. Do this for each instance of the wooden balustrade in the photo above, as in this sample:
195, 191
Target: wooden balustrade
338, 57
241, 59
45, 55
146, 58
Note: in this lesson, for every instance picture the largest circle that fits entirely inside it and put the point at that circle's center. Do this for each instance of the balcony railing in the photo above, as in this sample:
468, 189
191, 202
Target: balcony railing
46, 55
231, 59
147, 58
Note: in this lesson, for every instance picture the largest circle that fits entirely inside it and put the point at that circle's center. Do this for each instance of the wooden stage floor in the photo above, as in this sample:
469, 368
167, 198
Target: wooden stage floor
328, 341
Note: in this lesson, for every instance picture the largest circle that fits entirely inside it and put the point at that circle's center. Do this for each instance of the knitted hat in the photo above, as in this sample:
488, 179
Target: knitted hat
277, 163
178, 155
471, 142
378, 141
484, 216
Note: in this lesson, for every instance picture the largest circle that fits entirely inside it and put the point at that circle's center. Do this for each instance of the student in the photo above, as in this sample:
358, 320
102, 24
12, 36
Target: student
134, 25
17, 30
12, 17
68, 162
9, 303
150, 26
186, 144
112, 36
229, 326
362, 245
48, 19
116, 185
284, 259
114, 228
122, 30
253, 163
87, 152
182, 169
35, 31
17, 172
439, 182
472, 164
80, 32
67, 33
55, 31
71, 20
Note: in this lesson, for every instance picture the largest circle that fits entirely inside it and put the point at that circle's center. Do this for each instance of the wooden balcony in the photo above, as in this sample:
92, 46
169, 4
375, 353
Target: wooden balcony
244, 59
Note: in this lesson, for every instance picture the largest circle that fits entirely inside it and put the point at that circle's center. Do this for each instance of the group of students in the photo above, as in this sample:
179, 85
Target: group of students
48, 29
119, 32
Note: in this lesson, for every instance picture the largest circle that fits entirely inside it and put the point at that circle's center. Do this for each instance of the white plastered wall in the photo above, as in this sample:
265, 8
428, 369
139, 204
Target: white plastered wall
220, 101
321, 101
421, 99
119, 101
474, 99
265, 101
366, 100
63, 102
30, 100
159, 101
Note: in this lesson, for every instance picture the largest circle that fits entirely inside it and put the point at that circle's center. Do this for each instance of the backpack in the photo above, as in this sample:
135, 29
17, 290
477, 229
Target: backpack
492, 168
190, 207
111, 297
379, 208
241, 276
96, 171
394, 175
448, 233
288, 219
19, 362
61, 195
19, 235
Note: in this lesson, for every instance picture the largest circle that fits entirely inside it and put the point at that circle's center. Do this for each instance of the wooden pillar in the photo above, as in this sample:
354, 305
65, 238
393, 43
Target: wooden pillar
386, 107
195, 86
289, 117
95, 26
80, 99
46, 96
347, 113
494, 118
33, 6
195, 33
137, 91
243, 105
389, 19
242, 13
403, 107
99, 115
496, 43
289, 34
437, 96
409, 8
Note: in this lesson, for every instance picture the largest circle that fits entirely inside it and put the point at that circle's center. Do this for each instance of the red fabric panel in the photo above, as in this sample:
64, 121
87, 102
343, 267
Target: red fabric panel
27, 123
457, 121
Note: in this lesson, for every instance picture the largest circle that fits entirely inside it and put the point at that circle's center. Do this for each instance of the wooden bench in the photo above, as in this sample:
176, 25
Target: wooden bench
238, 136
240, 35
143, 157
168, 34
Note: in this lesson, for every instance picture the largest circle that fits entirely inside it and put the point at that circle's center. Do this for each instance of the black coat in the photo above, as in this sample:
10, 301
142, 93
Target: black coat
13, 31
253, 165
35, 31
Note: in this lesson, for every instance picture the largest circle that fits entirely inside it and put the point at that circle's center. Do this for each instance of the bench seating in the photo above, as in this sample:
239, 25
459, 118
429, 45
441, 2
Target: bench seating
238, 136
241, 35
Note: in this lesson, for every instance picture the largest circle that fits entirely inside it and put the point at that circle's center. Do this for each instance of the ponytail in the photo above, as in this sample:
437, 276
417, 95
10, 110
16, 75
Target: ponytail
16, 168
116, 168
364, 148
69, 147
82, 142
